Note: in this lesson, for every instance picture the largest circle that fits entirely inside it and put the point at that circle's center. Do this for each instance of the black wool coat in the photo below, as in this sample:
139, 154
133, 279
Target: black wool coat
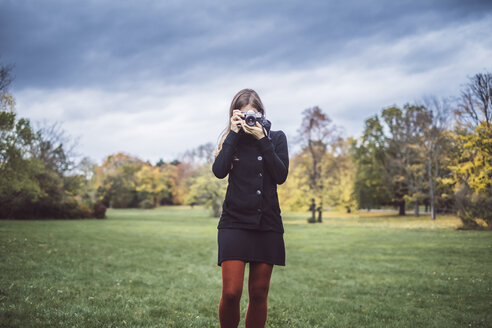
255, 168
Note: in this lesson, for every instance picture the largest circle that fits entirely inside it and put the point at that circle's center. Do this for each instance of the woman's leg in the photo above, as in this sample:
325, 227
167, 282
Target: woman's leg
258, 285
232, 288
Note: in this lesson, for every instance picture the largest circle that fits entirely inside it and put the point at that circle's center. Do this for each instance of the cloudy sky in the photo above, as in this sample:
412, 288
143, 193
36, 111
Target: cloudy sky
155, 78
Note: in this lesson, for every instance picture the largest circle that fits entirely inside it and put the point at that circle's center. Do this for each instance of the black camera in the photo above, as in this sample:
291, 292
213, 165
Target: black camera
251, 118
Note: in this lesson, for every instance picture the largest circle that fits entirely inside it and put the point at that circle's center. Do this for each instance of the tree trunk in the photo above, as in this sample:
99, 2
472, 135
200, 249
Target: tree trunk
416, 209
216, 209
402, 208
313, 211
431, 190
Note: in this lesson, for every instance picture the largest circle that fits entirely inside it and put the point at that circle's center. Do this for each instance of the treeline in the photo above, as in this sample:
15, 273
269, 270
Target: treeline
435, 154
40, 178
34, 168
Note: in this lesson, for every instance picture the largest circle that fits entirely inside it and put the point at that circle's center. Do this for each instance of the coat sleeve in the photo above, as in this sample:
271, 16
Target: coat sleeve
276, 157
223, 161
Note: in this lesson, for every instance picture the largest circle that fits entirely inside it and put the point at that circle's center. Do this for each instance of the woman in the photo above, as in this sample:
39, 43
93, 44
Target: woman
250, 228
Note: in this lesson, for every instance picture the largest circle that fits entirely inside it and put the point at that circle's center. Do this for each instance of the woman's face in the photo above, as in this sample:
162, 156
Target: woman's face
249, 107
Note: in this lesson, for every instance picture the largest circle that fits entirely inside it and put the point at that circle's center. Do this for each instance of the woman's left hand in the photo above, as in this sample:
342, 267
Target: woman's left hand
256, 130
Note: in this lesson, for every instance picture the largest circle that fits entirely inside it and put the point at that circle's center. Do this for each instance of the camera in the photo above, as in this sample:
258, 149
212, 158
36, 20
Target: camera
251, 118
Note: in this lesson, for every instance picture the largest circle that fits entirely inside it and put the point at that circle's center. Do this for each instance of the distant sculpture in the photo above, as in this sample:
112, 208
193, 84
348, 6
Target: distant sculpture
312, 208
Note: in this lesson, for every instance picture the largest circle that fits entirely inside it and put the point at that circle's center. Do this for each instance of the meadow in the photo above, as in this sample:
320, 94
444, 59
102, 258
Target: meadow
158, 268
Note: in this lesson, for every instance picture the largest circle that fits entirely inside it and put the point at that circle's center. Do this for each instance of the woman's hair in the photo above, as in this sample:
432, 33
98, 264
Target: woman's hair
242, 98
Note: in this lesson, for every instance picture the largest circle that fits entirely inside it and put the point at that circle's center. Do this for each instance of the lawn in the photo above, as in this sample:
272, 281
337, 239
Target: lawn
158, 268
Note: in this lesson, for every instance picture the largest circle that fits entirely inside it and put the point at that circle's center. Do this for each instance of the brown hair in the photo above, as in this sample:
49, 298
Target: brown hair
242, 98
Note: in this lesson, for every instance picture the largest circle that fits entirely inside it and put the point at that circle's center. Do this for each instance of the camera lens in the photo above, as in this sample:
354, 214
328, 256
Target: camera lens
250, 120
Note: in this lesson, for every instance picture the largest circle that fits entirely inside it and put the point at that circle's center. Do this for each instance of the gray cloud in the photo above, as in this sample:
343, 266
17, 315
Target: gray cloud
91, 43
135, 75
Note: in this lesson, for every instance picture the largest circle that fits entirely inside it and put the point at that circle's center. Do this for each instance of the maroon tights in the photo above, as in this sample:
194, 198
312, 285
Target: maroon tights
232, 288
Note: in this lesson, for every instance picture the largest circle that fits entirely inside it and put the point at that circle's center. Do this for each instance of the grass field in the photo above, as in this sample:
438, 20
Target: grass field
158, 268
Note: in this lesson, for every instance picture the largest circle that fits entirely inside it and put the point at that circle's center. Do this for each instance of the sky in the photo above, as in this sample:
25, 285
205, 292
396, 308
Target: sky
156, 78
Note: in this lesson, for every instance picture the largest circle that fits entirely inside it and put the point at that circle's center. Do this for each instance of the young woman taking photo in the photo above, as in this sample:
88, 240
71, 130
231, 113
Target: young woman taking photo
250, 229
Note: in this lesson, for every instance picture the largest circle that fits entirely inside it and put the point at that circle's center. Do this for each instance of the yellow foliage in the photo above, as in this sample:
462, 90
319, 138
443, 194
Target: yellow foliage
474, 164
337, 183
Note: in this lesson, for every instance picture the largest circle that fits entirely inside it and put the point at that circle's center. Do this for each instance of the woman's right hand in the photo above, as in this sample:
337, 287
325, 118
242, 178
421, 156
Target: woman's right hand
236, 120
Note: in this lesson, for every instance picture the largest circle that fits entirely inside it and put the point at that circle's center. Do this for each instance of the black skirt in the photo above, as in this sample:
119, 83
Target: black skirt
251, 246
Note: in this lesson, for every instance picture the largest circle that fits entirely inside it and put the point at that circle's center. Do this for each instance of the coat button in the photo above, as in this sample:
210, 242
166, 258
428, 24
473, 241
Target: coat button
260, 175
260, 158
259, 210
258, 192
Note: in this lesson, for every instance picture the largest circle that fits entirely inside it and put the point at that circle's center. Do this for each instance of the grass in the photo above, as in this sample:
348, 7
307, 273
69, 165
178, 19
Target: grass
157, 268
378, 219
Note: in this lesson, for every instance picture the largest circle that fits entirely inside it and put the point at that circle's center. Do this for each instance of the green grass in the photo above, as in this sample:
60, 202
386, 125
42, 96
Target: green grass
157, 268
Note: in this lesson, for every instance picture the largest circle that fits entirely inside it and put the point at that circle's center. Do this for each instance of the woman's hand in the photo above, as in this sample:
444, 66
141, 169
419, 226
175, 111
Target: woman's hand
256, 131
236, 120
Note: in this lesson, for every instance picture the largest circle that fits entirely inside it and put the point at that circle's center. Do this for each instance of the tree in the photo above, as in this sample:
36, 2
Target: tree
370, 187
191, 164
86, 168
396, 156
472, 176
475, 105
472, 162
116, 182
200, 155
157, 182
416, 119
294, 193
207, 190
315, 134
6, 79
18, 173
339, 176
33, 179
436, 145
54, 147
391, 166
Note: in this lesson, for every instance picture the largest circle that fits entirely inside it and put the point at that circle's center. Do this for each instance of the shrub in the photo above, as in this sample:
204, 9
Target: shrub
99, 210
82, 211
146, 203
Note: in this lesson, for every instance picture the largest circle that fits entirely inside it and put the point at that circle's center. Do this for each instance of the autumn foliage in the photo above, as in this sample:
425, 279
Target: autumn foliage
434, 154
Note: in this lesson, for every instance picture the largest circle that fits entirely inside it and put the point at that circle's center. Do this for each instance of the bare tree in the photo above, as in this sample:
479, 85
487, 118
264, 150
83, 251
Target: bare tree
435, 142
54, 147
202, 154
7, 101
6, 77
475, 104
87, 167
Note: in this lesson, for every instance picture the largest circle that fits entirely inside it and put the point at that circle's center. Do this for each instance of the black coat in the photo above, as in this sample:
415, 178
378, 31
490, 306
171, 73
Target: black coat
255, 168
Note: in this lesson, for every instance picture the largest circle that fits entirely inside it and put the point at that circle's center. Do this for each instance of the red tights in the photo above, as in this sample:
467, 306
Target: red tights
232, 288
